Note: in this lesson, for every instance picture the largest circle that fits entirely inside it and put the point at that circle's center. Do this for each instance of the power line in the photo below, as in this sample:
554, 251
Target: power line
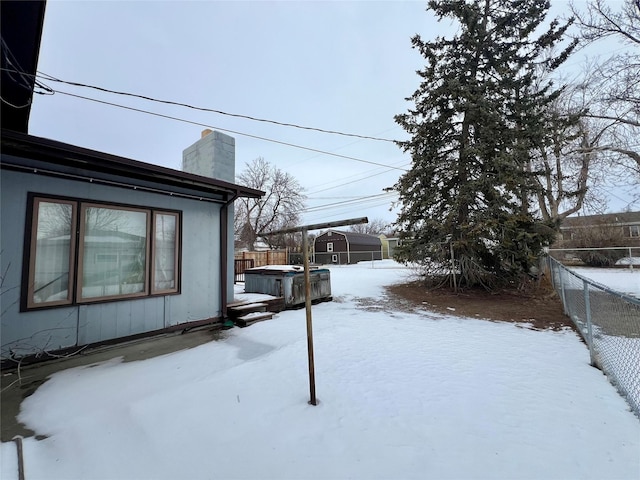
52, 91
303, 160
353, 202
348, 183
230, 131
212, 110
346, 210
348, 197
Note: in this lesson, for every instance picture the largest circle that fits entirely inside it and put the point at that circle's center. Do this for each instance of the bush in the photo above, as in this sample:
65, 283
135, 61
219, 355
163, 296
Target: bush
601, 258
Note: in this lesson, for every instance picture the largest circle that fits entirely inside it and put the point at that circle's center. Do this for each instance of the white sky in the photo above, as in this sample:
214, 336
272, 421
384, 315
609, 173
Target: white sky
343, 66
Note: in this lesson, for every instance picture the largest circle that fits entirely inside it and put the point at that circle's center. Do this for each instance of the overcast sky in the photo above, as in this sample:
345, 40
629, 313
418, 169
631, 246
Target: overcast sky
344, 66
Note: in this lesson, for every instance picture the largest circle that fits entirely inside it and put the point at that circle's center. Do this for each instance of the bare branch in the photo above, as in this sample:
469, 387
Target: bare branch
279, 208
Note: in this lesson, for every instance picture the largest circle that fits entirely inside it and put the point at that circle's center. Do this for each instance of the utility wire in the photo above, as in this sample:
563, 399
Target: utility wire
335, 213
54, 79
359, 200
313, 192
22, 80
204, 109
227, 130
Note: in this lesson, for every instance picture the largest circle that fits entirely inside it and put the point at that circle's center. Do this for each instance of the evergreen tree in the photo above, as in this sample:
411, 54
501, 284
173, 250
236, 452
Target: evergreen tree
479, 112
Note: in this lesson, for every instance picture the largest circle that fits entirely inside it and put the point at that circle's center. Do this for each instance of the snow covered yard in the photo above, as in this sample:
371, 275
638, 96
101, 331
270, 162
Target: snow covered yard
623, 280
402, 395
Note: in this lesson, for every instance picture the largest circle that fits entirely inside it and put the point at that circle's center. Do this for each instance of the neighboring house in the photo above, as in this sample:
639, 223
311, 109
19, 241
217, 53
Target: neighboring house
622, 227
97, 247
340, 247
389, 244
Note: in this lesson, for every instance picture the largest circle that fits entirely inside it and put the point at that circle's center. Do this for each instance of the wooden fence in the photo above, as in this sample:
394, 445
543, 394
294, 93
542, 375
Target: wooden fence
246, 260
267, 257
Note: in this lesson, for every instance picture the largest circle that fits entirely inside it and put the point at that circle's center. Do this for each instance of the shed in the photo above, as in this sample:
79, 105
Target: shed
339, 247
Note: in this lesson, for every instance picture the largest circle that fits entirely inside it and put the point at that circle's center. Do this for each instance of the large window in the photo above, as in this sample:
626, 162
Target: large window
85, 252
634, 230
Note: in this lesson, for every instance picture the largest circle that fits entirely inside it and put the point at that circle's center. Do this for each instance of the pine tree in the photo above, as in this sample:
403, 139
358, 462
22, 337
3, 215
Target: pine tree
479, 112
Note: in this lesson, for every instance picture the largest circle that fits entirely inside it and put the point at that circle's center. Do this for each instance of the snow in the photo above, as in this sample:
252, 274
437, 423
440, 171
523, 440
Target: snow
278, 268
623, 280
403, 395
629, 261
240, 297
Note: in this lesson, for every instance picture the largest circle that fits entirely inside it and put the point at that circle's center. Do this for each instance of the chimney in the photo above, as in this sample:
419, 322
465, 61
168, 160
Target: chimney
214, 156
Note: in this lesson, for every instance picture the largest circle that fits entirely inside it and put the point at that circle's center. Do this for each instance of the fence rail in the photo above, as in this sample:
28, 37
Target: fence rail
609, 322
598, 256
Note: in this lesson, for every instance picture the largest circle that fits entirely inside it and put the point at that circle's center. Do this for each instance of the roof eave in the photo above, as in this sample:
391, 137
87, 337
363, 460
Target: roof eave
59, 153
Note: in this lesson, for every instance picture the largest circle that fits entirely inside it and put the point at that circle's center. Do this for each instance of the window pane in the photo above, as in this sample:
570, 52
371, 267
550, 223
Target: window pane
165, 252
114, 252
50, 271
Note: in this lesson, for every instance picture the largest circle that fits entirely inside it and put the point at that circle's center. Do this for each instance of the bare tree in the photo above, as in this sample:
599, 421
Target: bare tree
599, 21
57, 218
614, 82
279, 208
570, 161
375, 226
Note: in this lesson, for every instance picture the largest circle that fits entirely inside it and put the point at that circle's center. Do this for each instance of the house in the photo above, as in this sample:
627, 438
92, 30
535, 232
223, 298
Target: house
99, 248
623, 229
389, 245
334, 246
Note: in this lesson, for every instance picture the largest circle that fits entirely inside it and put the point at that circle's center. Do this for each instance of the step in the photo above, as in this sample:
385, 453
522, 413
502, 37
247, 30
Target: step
252, 318
240, 310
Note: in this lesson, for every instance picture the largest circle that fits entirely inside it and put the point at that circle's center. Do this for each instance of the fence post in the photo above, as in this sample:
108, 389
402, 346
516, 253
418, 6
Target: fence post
587, 306
563, 296
630, 260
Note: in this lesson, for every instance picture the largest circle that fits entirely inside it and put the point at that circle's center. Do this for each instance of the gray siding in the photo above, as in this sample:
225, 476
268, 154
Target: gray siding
56, 328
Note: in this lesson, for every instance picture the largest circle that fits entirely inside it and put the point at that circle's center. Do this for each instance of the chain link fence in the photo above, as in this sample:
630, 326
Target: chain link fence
621, 257
609, 322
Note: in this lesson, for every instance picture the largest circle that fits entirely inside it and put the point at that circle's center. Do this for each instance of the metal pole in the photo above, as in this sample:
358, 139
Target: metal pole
307, 304
562, 294
630, 260
18, 440
587, 306
307, 285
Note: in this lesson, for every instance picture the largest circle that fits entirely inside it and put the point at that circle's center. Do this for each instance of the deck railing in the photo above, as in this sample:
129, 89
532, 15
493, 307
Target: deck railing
239, 267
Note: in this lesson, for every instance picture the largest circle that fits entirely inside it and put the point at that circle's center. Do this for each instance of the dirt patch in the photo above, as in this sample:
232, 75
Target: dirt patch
541, 308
